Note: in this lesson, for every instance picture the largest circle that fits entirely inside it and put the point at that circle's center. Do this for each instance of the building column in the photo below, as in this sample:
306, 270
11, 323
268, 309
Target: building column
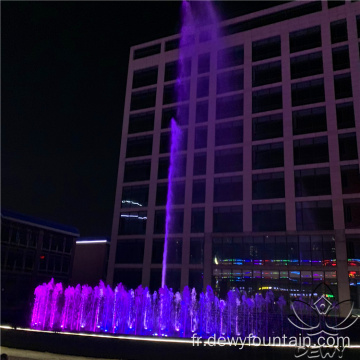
334, 164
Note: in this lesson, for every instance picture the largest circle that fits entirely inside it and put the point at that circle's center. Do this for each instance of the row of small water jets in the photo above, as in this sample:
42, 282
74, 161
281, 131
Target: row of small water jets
162, 313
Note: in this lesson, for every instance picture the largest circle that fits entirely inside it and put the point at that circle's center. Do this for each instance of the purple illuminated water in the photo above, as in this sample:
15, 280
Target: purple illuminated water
162, 313
173, 167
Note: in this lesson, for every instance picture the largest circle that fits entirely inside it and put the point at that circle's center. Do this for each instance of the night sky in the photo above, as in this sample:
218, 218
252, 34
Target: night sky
64, 70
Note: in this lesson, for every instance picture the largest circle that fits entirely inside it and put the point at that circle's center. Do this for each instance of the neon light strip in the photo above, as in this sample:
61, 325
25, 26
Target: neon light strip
91, 241
144, 338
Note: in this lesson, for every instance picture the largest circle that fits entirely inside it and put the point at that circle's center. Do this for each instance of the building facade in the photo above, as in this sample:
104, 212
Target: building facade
32, 252
270, 194
90, 261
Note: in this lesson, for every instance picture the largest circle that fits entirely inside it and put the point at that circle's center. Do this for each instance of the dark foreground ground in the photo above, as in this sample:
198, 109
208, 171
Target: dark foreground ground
131, 348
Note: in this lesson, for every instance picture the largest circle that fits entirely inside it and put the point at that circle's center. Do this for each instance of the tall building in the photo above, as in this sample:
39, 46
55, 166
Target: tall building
270, 194
33, 251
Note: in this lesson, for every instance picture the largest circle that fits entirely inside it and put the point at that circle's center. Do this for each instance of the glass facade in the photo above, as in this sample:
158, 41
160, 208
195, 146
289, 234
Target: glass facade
271, 178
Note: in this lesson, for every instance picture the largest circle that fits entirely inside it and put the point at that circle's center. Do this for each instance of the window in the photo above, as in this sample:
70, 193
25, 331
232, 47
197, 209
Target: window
199, 164
267, 127
338, 31
155, 279
139, 146
348, 146
268, 73
196, 278
173, 277
180, 113
163, 168
229, 57
342, 85
269, 217
227, 219
306, 65
147, 51
334, 3
307, 92
352, 213
137, 170
178, 91
229, 133
198, 191
312, 182
229, 160
165, 142
196, 250
202, 111
68, 245
305, 39
145, 77
268, 156
268, 186
350, 179
180, 167
177, 221
202, 88
314, 215
178, 192
161, 194
174, 251
353, 251
266, 48
170, 71
135, 196
230, 81
345, 115
311, 151
197, 220
141, 122
159, 222
143, 99
228, 189
309, 120
200, 137
340, 58
176, 225
132, 223
57, 243
172, 44
203, 63
129, 251
266, 100
229, 106
170, 94
130, 278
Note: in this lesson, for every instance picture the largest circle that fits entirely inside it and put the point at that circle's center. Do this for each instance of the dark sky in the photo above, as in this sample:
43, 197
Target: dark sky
64, 69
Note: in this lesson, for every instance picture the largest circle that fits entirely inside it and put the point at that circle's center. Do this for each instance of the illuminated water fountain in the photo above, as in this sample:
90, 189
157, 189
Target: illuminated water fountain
162, 313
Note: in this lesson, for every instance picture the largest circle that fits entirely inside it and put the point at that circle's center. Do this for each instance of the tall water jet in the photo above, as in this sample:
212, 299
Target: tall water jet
173, 167
190, 25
